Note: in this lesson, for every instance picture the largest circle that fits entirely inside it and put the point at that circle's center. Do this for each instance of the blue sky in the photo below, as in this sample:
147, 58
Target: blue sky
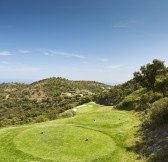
101, 40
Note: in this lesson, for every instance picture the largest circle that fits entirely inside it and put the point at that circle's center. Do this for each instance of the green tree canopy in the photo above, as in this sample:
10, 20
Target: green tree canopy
148, 74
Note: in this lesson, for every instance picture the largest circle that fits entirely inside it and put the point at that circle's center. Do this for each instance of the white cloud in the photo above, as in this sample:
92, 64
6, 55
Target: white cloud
24, 70
5, 53
23, 51
66, 54
114, 66
103, 59
48, 54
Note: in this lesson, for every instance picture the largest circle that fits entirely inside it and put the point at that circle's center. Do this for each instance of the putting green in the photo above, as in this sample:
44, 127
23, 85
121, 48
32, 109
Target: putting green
64, 143
102, 119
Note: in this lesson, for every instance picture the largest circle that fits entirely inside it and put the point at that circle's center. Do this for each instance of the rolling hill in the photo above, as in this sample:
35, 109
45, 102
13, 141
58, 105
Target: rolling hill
43, 100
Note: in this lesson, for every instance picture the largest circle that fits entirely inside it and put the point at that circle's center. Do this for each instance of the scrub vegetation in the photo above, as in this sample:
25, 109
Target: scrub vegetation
43, 100
147, 94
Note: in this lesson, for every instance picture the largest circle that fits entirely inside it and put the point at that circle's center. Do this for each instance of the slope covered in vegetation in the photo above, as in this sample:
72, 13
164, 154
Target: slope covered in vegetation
146, 93
43, 100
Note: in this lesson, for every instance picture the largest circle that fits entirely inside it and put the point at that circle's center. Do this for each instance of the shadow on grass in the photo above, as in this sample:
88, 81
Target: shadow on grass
148, 148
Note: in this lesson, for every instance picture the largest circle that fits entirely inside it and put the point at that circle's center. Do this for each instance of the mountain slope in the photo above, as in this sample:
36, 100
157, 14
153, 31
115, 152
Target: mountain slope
43, 100
147, 94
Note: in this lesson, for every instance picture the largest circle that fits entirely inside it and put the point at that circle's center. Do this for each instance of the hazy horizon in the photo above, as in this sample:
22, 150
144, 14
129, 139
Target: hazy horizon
31, 81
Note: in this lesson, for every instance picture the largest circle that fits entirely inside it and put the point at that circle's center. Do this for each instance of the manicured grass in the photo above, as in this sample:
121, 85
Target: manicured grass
109, 133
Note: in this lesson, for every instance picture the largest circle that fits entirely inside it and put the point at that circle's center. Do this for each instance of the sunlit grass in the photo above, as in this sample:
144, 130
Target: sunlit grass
109, 133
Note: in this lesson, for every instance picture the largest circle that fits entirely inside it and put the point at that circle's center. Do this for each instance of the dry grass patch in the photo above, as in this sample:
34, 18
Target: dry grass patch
105, 108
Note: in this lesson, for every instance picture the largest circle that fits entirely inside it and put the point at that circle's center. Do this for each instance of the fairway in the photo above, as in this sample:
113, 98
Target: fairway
96, 133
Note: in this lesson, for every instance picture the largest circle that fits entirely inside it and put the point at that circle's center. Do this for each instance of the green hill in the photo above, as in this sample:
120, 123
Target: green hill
43, 100
147, 94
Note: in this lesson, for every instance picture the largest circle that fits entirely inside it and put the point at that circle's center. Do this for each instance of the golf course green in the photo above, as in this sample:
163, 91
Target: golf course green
96, 133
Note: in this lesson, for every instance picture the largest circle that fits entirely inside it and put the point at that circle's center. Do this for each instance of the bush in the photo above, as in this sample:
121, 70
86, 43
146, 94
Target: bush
68, 113
139, 100
147, 99
127, 104
158, 114
40, 118
131, 101
160, 156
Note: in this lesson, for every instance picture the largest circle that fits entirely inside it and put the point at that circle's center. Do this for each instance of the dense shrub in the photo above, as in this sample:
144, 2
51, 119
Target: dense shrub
131, 101
40, 118
160, 156
68, 113
139, 100
157, 114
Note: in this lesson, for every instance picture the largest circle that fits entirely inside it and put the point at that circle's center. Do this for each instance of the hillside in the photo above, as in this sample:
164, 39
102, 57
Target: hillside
43, 100
147, 94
